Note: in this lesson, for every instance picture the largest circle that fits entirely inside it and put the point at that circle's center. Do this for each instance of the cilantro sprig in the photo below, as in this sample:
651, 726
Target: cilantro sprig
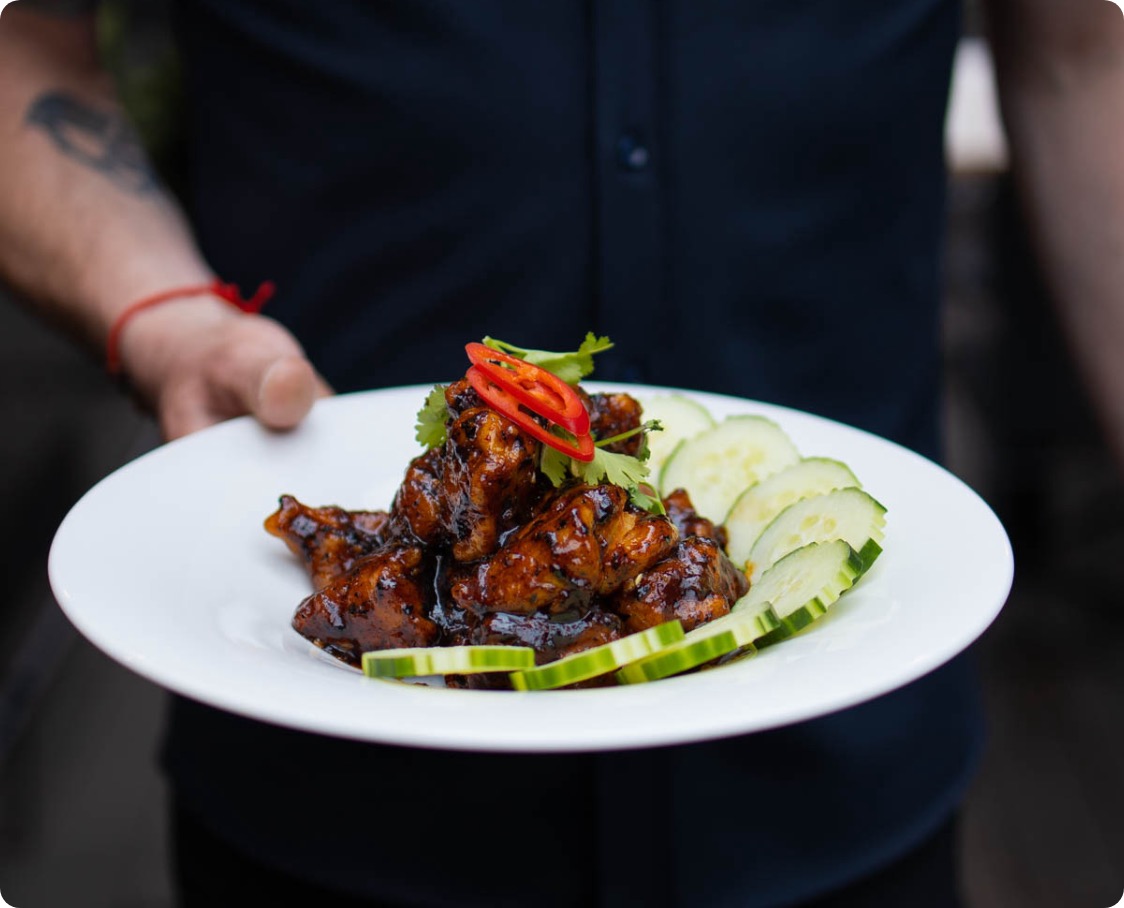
430, 427
570, 367
625, 470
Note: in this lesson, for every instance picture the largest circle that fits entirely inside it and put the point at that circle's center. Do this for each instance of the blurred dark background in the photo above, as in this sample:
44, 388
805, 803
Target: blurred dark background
82, 804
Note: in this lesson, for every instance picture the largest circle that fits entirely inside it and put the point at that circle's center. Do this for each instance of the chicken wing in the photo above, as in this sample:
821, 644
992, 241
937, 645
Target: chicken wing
418, 510
489, 481
697, 584
382, 602
585, 543
614, 414
481, 483
690, 522
329, 540
552, 637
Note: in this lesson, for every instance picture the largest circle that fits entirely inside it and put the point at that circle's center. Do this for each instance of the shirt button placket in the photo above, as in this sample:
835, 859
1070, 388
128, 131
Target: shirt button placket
629, 230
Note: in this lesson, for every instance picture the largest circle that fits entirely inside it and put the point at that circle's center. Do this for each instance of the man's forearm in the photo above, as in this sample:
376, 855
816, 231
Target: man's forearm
85, 227
1061, 76
86, 230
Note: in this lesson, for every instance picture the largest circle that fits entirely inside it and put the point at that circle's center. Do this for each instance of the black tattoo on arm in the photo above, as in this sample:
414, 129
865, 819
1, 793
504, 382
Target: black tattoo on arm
102, 140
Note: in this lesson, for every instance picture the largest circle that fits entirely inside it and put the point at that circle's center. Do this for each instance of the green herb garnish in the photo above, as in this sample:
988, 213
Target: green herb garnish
608, 466
570, 367
431, 419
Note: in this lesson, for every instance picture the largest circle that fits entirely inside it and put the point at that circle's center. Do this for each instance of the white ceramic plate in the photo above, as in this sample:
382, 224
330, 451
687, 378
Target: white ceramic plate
165, 566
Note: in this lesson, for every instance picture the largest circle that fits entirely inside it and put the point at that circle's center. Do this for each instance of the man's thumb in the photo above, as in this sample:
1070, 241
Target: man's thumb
284, 392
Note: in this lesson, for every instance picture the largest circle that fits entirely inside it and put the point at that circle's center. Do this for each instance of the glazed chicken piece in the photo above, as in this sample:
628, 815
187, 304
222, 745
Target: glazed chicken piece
614, 414
381, 603
460, 396
551, 637
585, 543
490, 481
419, 508
329, 540
696, 585
477, 486
690, 522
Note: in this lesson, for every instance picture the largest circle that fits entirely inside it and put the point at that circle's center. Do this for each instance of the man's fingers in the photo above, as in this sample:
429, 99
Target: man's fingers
185, 410
175, 425
259, 369
277, 391
199, 372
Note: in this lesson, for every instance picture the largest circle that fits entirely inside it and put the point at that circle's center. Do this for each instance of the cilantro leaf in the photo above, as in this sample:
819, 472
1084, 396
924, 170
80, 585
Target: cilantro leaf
570, 367
607, 466
644, 496
622, 470
554, 465
431, 419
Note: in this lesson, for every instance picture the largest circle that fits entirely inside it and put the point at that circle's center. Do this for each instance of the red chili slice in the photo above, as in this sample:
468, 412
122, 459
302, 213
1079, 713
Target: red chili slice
538, 390
500, 399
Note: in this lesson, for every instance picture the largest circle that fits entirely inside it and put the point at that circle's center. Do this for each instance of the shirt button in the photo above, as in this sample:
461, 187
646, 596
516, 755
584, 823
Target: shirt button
631, 155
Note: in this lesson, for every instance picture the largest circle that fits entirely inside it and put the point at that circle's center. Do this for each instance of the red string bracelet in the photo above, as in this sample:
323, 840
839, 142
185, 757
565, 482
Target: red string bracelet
228, 292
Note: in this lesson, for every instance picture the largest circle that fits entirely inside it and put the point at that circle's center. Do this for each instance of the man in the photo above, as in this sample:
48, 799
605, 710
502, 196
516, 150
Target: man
746, 196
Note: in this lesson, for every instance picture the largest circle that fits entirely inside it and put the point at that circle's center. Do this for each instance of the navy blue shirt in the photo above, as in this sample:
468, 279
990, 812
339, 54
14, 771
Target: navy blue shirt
748, 197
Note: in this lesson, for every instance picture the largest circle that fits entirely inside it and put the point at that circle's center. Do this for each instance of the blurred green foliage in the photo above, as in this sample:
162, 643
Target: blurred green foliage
137, 49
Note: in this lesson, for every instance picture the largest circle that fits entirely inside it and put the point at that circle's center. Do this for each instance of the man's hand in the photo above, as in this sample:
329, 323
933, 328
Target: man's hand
198, 360
86, 228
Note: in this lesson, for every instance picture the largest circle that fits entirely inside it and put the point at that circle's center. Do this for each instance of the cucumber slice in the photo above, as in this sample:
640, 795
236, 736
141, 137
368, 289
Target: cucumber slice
800, 587
681, 418
679, 657
749, 628
445, 660
847, 514
716, 465
758, 505
600, 660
